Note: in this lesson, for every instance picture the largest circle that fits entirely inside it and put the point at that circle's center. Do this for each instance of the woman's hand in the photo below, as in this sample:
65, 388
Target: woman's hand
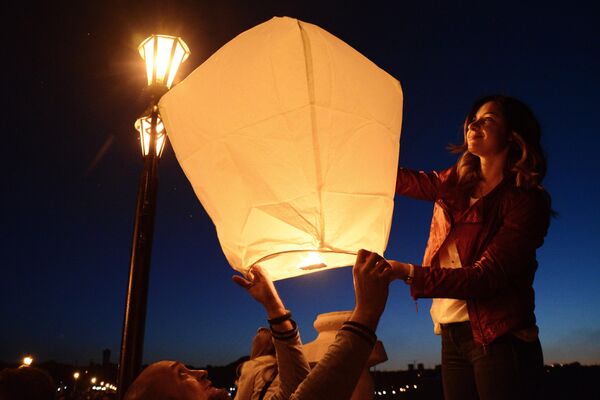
258, 285
400, 270
372, 275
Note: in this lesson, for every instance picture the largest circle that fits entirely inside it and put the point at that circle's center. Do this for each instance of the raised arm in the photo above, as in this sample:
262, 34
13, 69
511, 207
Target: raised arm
336, 375
258, 285
291, 362
418, 184
508, 258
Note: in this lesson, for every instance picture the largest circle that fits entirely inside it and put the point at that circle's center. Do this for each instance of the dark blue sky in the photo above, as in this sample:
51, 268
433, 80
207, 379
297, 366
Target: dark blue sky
72, 163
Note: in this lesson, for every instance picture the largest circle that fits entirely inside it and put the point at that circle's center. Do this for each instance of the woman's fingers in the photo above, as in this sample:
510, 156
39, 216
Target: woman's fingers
257, 273
400, 270
362, 255
370, 262
376, 264
246, 284
382, 267
372, 259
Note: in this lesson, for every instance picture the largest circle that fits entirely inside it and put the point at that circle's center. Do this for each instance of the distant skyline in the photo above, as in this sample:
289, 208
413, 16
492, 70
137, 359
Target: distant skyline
73, 162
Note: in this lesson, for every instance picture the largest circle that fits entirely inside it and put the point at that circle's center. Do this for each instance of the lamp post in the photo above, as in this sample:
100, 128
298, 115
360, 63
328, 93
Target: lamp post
163, 55
76, 375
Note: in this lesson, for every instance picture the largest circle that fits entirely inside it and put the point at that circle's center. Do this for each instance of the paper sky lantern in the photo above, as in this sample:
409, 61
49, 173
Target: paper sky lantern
290, 139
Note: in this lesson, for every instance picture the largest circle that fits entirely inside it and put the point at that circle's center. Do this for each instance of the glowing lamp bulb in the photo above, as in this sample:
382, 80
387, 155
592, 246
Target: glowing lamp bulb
27, 361
163, 55
144, 127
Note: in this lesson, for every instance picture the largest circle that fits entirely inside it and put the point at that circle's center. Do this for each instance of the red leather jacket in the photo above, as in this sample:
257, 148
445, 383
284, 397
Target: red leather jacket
496, 238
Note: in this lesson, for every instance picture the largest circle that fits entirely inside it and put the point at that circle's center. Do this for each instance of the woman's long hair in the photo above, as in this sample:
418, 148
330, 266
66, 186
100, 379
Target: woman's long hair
525, 161
262, 344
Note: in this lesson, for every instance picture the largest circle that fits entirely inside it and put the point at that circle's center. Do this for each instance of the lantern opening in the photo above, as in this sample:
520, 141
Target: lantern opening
290, 263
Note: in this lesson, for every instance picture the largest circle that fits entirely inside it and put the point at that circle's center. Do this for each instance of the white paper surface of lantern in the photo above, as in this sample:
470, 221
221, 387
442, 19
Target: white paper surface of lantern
290, 139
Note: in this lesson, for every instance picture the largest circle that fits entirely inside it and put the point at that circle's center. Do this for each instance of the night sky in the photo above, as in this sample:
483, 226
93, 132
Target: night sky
72, 162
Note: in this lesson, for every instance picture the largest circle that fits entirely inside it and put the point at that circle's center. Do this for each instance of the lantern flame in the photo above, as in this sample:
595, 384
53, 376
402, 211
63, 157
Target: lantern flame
312, 261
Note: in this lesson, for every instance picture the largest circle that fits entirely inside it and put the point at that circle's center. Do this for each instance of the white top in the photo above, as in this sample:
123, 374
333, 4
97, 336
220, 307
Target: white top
445, 311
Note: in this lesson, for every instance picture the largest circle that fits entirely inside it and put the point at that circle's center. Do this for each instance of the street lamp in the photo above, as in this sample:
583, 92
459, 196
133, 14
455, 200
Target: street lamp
163, 55
76, 375
27, 361
144, 126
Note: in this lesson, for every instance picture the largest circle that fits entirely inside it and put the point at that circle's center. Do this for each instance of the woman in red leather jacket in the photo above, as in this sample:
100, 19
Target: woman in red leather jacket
490, 215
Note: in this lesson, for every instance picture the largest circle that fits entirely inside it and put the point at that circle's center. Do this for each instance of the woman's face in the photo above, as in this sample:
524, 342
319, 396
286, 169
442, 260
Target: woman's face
487, 135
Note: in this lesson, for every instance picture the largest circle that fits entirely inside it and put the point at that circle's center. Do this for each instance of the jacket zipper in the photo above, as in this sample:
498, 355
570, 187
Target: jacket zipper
449, 216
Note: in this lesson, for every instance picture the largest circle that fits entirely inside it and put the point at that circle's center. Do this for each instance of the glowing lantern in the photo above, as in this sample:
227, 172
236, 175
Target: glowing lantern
163, 55
290, 139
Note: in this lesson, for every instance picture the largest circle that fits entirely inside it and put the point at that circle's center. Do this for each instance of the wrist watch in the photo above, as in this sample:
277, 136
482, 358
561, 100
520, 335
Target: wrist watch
411, 273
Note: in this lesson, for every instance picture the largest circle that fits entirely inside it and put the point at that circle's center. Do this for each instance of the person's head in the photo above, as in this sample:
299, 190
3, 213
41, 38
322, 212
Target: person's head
262, 344
26, 383
171, 380
499, 124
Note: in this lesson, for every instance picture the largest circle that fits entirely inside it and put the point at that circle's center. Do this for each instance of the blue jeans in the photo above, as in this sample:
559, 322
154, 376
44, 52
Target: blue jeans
508, 368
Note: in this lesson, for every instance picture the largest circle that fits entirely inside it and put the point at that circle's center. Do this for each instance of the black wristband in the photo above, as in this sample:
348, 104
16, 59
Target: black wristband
278, 320
363, 328
360, 330
286, 335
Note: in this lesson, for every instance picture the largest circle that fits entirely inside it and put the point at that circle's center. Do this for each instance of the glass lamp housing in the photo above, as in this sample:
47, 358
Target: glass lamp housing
163, 55
144, 126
